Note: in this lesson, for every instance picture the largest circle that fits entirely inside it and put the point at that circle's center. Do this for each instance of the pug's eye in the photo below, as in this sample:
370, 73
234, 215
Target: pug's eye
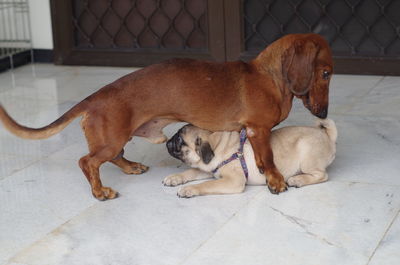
179, 140
325, 75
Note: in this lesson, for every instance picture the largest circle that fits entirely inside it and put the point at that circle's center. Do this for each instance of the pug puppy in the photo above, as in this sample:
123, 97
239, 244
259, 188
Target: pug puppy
301, 154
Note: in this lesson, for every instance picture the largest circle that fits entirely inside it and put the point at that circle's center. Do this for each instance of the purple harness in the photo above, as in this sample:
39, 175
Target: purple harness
239, 154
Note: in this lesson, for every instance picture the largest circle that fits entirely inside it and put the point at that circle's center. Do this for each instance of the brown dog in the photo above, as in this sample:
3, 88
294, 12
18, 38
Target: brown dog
213, 96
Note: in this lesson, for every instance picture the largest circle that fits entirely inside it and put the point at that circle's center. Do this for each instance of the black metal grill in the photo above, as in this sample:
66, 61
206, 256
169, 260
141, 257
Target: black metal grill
140, 24
15, 33
357, 28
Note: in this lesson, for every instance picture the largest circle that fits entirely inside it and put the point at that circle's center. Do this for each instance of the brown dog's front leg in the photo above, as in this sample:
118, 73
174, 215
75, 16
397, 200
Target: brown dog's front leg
260, 141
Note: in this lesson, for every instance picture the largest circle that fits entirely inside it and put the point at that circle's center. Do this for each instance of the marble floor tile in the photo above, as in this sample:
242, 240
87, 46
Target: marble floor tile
345, 90
27, 76
40, 70
11, 145
320, 224
382, 100
148, 224
387, 252
37, 200
22, 109
367, 150
13, 163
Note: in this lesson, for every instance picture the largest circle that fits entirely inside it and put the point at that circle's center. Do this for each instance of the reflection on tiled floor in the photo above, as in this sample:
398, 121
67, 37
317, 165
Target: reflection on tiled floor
48, 215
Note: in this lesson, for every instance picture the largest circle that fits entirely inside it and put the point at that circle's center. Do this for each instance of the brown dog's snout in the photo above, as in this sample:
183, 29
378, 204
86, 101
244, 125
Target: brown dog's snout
322, 114
319, 110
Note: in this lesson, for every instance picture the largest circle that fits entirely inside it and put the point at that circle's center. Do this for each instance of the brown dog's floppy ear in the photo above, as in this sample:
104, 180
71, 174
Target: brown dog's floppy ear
204, 150
298, 66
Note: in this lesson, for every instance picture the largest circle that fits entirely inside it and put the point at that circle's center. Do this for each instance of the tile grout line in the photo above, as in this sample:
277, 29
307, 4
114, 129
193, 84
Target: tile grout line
35, 161
297, 221
220, 228
20, 169
383, 237
365, 183
358, 98
374, 86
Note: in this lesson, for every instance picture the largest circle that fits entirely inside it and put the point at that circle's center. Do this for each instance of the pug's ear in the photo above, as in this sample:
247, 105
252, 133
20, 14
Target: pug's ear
204, 150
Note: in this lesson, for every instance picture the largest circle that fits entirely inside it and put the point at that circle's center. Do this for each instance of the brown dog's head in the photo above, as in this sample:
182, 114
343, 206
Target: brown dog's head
190, 145
307, 67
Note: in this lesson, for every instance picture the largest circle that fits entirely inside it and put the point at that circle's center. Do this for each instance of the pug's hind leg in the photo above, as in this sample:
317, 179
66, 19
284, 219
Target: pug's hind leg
225, 185
186, 176
307, 179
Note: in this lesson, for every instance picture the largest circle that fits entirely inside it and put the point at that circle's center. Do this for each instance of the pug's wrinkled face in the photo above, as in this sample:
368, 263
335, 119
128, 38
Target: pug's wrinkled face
190, 145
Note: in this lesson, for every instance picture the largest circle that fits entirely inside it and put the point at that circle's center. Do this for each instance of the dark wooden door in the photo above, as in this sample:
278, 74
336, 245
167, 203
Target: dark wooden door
364, 34
136, 32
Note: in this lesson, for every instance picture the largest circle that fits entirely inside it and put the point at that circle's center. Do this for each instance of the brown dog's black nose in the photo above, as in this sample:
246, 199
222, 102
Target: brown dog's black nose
322, 114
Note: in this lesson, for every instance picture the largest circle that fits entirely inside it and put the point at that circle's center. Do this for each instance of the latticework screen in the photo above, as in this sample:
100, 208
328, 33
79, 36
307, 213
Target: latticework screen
140, 24
358, 28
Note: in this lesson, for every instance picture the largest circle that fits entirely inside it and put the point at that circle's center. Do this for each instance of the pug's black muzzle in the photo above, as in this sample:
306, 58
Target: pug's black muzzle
174, 146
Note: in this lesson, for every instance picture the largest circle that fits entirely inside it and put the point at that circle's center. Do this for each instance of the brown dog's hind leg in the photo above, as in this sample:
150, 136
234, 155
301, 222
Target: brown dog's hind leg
106, 138
128, 167
90, 166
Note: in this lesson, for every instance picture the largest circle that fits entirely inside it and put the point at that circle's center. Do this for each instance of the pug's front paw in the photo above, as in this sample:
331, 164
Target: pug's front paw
174, 180
188, 192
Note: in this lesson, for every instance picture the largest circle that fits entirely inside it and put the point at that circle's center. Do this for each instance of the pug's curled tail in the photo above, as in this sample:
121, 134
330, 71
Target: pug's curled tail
45, 132
330, 128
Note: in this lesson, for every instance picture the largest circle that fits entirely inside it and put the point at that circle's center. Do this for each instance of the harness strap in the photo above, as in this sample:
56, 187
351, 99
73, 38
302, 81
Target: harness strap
238, 155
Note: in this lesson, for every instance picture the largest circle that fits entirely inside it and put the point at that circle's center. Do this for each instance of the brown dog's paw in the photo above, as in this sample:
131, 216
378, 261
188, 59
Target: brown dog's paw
135, 168
276, 185
105, 193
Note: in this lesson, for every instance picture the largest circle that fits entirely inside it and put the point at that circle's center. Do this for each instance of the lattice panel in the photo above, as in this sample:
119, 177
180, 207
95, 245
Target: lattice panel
140, 24
353, 27
15, 35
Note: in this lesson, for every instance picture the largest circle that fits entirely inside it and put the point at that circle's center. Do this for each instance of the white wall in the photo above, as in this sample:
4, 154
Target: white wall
42, 37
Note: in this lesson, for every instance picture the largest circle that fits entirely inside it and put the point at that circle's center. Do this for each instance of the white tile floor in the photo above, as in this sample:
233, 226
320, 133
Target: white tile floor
48, 216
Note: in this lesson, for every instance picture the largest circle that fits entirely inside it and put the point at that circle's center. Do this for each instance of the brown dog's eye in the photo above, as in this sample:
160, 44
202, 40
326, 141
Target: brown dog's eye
325, 75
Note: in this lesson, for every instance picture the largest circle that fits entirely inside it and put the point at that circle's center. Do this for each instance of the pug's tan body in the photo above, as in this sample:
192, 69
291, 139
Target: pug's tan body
301, 154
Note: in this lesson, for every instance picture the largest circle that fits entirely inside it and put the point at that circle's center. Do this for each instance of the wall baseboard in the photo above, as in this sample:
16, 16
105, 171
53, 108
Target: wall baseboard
25, 57
18, 59
43, 56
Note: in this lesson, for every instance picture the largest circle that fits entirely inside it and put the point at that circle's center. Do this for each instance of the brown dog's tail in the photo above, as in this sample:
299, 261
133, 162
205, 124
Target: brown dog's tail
44, 132
329, 126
